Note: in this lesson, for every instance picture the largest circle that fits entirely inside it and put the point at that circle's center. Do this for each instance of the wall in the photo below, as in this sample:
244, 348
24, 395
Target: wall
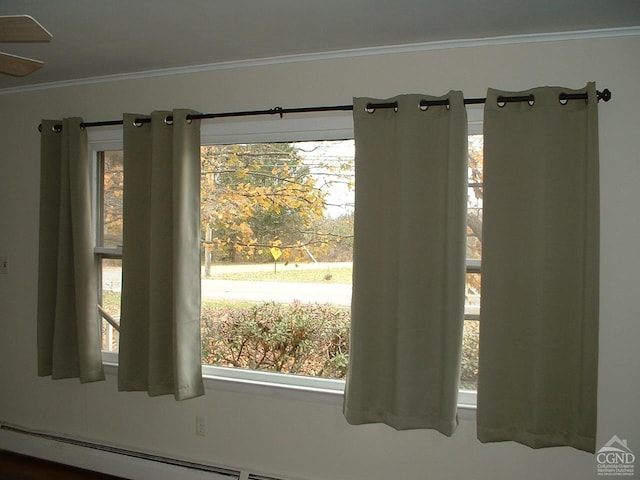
308, 440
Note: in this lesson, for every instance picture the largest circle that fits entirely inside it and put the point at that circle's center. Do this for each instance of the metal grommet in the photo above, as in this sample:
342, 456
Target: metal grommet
500, 101
168, 120
369, 108
423, 107
562, 100
40, 128
137, 122
531, 101
56, 128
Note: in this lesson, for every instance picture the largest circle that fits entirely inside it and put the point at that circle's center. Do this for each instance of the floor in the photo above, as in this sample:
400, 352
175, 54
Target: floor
20, 467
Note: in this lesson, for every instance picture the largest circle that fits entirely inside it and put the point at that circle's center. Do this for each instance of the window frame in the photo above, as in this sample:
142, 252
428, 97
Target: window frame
256, 130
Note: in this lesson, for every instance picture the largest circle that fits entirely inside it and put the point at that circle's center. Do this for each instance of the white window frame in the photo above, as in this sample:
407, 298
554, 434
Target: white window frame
256, 130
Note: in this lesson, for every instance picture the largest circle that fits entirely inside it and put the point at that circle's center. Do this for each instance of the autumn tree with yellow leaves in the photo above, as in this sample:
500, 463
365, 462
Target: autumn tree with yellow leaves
258, 196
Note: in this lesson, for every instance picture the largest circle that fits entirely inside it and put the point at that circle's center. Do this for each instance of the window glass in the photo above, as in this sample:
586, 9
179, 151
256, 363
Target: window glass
109, 242
469, 367
277, 230
110, 293
111, 212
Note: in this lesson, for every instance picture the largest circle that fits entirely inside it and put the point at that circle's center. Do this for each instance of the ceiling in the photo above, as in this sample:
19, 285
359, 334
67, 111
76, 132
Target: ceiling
94, 38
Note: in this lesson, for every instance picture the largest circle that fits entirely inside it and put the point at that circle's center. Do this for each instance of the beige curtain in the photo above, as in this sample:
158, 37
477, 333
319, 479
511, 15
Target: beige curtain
409, 264
539, 316
68, 320
160, 320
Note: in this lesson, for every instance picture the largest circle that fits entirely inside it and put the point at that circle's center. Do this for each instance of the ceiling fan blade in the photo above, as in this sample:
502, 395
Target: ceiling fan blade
18, 66
22, 28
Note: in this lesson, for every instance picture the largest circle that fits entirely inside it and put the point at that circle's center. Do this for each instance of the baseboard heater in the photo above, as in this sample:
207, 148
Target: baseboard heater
236, 474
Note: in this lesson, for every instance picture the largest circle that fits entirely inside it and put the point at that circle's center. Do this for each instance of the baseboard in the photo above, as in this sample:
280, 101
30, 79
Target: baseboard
112, 461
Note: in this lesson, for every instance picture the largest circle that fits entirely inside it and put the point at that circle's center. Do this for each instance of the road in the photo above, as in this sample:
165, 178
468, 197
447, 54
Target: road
336, 294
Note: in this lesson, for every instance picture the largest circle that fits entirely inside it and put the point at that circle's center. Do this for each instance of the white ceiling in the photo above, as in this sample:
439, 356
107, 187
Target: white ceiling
93, 38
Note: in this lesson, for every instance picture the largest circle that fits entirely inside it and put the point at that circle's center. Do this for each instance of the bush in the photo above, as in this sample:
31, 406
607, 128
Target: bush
470, 348
303, 339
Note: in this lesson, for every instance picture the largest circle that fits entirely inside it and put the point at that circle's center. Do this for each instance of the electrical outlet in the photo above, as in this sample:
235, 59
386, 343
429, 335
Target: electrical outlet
4, 265
201, 426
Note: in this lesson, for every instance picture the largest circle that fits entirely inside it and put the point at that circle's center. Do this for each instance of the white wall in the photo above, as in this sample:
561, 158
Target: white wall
303, 439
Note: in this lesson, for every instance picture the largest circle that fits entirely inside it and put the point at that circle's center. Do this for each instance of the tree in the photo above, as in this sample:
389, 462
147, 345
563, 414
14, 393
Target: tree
113, 183
257, 196
474, 205
338, 234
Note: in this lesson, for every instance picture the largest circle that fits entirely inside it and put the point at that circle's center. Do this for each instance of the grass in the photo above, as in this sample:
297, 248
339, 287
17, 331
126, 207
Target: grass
328, 275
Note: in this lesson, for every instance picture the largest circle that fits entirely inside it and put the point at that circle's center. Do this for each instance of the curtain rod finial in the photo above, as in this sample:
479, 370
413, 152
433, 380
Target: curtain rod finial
604, 95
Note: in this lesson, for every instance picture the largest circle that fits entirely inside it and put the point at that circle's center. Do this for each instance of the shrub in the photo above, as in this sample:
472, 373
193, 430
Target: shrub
470, 348
303, 339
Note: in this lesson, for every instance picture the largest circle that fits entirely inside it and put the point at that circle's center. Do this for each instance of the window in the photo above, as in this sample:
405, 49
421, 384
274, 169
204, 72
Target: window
108, 251
470, 342
276, 228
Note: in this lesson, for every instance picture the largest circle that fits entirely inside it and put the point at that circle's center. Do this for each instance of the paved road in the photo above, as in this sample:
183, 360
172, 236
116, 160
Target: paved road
336, 294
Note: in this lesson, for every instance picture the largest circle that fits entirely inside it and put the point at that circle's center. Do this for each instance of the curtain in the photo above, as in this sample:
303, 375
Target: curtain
160, 318
409, 264
539, 313
68, 321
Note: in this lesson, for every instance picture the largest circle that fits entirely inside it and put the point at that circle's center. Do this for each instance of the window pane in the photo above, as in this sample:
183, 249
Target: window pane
110, 301
277, 229
112, 182
472, 294
469, 366
474, 198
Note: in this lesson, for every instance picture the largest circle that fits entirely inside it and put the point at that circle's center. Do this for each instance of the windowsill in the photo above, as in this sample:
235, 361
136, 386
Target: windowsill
289, 387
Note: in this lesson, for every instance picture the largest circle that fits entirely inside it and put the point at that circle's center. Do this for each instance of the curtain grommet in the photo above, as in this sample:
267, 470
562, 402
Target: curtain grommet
423, 106
168, 120
531, 101
501, 102
137, 123
369, 108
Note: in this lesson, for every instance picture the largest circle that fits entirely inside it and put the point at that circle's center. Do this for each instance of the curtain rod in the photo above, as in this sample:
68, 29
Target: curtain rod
604, 95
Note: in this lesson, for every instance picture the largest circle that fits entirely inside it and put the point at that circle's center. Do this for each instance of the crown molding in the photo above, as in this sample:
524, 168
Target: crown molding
337, 54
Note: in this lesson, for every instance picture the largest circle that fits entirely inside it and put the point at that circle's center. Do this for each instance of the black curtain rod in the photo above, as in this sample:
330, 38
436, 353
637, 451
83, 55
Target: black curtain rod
604, 95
